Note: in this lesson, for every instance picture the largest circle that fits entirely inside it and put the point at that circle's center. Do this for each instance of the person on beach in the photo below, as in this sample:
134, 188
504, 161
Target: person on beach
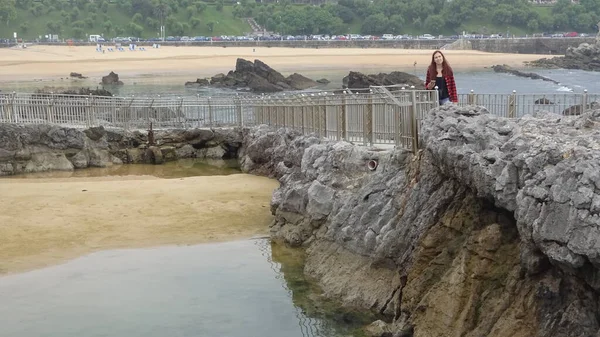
440, 75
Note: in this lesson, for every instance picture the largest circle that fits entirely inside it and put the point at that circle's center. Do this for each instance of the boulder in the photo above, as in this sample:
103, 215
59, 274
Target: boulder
200, 82
257, 77
300, 82
509, 70
76, 75
111, 79
358, 80
585, 57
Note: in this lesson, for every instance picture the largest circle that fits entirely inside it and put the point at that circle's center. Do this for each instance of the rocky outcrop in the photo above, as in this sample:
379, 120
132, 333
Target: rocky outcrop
585, 57
509, 70
38, 148
111, 79
257, 77
77, 75
356, 80
490, 230
47, 90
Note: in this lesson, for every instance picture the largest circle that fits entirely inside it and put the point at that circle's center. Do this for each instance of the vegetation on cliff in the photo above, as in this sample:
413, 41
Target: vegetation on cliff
143, 18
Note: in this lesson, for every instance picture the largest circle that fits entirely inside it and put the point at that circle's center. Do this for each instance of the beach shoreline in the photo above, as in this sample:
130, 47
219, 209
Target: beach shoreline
45, 63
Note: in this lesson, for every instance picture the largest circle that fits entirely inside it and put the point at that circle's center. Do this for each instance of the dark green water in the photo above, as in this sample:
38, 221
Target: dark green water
244, 288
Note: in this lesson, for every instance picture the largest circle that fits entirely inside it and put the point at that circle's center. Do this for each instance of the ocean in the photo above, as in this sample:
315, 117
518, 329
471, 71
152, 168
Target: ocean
483, 81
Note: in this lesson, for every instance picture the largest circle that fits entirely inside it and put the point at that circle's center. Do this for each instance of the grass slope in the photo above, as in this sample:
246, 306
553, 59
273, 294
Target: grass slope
225, 23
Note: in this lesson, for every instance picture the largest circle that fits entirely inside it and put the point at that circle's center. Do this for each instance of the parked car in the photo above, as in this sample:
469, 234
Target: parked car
570, 34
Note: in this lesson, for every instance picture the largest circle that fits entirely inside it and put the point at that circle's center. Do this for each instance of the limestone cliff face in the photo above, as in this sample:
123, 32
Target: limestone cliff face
38, 148
488, 231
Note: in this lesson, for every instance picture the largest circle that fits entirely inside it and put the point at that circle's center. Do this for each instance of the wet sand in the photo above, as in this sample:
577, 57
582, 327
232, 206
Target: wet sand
52, 62
50, 220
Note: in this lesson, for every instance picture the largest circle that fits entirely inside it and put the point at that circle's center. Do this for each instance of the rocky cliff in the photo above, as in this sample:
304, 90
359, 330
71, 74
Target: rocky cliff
490, 230
586, 56
38, 148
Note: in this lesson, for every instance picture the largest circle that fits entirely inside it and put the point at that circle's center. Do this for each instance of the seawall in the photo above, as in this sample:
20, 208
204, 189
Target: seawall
548, 46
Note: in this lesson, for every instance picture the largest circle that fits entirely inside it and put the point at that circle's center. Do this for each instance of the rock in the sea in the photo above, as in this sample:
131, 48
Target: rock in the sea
356, 80
111, 79
76, 75
200, 82
509, 70
585, 57
257, 77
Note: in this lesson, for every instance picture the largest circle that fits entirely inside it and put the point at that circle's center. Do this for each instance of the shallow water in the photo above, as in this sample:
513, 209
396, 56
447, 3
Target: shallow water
480, 80
244, 288
176, 169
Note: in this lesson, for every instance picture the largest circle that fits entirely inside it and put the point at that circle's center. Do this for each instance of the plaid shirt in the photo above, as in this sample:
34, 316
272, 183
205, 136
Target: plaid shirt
450, 85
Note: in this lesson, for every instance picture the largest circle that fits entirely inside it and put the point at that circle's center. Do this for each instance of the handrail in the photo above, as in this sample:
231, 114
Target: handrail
383, 116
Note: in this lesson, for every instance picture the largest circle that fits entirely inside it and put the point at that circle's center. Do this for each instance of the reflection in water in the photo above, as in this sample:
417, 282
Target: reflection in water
176, 169
317, 316
233, 289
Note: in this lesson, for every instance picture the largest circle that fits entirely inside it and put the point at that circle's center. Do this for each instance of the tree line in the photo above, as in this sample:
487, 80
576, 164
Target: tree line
373, 17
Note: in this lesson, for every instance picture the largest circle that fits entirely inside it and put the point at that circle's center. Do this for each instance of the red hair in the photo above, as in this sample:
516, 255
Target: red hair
446, 68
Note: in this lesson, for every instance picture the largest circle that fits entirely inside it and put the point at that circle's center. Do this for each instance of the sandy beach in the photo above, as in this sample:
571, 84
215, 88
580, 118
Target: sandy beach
39, 62
47, 221
50, 220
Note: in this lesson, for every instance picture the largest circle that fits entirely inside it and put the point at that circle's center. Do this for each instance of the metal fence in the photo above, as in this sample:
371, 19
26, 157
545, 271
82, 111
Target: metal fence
382, 115
518, 105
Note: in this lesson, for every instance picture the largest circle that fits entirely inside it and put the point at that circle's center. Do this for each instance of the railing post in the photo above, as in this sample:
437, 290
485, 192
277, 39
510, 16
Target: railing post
238, 111
293, 108
180, 115
342, 119
414, 122
284, 113
210, 113
12, 117
49, 109
368, 121
302, 116
471, 98
396, 109
512, 100
584, 100
87, 112
323, 116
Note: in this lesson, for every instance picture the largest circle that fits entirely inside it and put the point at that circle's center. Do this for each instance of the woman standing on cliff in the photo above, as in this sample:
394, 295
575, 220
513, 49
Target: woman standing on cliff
440, 75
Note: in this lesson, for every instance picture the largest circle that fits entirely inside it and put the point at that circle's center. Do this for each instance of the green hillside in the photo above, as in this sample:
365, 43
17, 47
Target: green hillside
30, 27
77, 19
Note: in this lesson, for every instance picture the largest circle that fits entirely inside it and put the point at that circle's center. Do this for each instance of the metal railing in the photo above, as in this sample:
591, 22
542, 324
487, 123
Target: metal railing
383, 115
375, 117
517, 105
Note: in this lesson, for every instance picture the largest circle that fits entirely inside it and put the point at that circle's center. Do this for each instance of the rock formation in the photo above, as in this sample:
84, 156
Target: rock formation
73, 91
585, 57
38, 148
77, 75
356, 80
257, 77
490, 230
111, 79
509, 70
